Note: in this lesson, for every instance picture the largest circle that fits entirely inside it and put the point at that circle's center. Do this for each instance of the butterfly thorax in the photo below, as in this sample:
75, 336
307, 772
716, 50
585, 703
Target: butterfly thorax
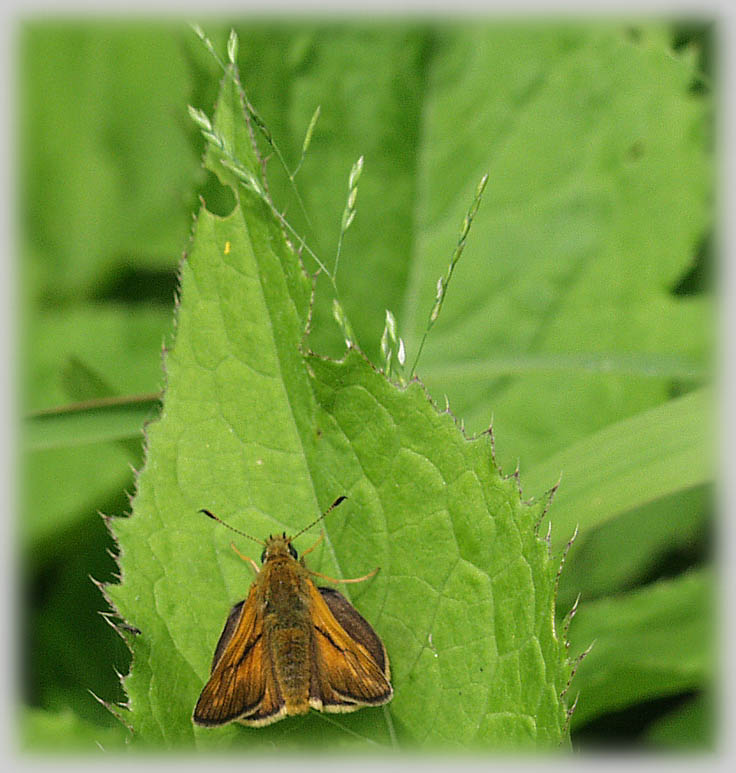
284, 593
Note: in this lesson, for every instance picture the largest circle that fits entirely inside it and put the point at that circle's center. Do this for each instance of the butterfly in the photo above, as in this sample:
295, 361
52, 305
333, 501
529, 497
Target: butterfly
291, 646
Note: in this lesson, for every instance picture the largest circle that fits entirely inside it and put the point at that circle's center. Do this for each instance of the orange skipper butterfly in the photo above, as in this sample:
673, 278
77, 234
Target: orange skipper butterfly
291, 646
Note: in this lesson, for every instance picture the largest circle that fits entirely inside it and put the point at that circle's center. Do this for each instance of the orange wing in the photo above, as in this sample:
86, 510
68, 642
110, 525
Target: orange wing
346, 673
242, 684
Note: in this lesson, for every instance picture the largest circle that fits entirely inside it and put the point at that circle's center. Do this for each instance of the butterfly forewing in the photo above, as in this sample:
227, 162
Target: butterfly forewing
239, 683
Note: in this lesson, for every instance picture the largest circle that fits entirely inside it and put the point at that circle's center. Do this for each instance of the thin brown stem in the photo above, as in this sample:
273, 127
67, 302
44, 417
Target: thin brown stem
97, 402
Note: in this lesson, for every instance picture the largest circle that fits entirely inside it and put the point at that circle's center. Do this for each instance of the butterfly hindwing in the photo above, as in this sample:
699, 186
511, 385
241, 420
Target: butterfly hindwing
350, 667
227, 632
356, 626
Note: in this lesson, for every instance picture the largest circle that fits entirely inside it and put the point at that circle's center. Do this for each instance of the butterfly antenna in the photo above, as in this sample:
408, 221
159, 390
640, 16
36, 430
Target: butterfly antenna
232, 528
338, 501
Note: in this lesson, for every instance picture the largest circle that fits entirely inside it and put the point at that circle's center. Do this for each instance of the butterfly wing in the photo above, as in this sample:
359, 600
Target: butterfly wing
242, 685
227, 632
356, 626
350, 667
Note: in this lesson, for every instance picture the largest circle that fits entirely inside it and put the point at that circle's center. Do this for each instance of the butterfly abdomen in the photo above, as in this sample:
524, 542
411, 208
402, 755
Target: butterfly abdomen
291, 652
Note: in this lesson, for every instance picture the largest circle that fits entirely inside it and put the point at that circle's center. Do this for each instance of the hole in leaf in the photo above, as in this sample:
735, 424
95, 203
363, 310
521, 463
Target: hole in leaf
218, 198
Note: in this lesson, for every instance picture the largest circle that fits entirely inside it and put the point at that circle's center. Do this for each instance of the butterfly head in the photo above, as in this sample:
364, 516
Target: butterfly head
278, 546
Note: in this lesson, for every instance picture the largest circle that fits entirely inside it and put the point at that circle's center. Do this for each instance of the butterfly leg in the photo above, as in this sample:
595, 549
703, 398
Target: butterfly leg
246, 558
321, 537
354, 579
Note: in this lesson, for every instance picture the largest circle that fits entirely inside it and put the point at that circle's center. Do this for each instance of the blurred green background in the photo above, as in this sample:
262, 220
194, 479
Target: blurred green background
109, 176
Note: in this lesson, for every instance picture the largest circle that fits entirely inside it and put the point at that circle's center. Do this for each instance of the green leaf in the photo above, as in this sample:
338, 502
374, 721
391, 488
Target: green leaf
431, 107
53, 732
663, 450
598, 198
374, 108
65, 363
266, 435
673, 525
61, 620
90, 133
653, 642
690, 727
123, 357
116, 419
64, 487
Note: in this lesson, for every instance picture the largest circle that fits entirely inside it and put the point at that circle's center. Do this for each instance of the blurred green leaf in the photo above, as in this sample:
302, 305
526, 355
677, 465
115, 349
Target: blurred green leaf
374, 108
653, 642
119, 420
68, 650
68, 469
631, 463
91, 133
82, 382
674, 525
63, 487
597, 200
266, 435
691, 727
118, 347
47, 733
627, 363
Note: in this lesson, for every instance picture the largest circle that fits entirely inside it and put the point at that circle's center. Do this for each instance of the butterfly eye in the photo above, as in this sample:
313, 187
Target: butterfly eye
293, 552
263, 555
